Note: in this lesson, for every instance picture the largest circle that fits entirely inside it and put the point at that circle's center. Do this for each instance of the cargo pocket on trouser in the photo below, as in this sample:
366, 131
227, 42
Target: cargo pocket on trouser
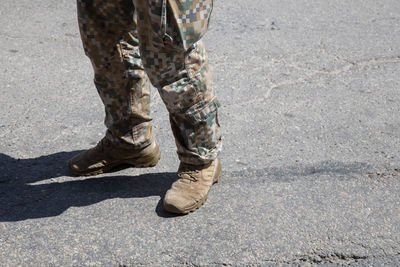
201, 133
191, 18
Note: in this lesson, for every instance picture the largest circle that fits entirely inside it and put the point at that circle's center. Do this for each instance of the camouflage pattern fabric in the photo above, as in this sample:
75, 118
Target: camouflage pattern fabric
134, 43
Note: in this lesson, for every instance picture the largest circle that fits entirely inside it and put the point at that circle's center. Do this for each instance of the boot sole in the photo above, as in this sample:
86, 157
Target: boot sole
142, 162
173, 209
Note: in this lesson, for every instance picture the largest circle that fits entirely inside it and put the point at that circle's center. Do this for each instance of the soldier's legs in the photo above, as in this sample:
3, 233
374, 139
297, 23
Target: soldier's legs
109, 37
176, 63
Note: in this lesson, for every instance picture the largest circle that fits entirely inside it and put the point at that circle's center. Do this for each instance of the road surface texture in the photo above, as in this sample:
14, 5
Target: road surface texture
311, 119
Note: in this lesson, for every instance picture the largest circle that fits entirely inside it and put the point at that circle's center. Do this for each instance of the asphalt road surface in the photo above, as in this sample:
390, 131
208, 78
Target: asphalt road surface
311, 161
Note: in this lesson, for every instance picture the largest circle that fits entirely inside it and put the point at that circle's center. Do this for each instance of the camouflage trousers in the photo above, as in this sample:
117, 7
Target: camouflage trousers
135, 43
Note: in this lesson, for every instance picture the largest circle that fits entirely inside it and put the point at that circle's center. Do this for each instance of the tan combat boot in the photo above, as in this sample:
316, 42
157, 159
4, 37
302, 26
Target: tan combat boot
191, 189
105, 156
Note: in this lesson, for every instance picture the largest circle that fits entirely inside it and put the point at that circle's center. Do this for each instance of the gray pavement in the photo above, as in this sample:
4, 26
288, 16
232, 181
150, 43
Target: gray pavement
311, 118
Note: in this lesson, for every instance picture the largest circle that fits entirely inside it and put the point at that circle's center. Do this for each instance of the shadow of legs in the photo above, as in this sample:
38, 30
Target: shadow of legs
21, 200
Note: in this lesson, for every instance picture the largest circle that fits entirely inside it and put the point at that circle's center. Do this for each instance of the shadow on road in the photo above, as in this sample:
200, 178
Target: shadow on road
24, 193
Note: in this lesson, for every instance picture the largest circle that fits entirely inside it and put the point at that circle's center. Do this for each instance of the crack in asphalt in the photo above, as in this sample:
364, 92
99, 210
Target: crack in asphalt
319, 258
313, 258
310, 74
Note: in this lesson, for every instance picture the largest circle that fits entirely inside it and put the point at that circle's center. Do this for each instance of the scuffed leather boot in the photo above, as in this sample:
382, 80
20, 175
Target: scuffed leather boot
191, 189
105, 156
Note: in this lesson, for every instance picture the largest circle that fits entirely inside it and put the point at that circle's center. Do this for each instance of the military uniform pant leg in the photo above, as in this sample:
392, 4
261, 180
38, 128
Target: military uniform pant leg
109, 37
176, 62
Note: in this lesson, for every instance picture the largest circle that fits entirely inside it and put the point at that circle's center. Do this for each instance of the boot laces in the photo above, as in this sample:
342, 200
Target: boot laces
188, 175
